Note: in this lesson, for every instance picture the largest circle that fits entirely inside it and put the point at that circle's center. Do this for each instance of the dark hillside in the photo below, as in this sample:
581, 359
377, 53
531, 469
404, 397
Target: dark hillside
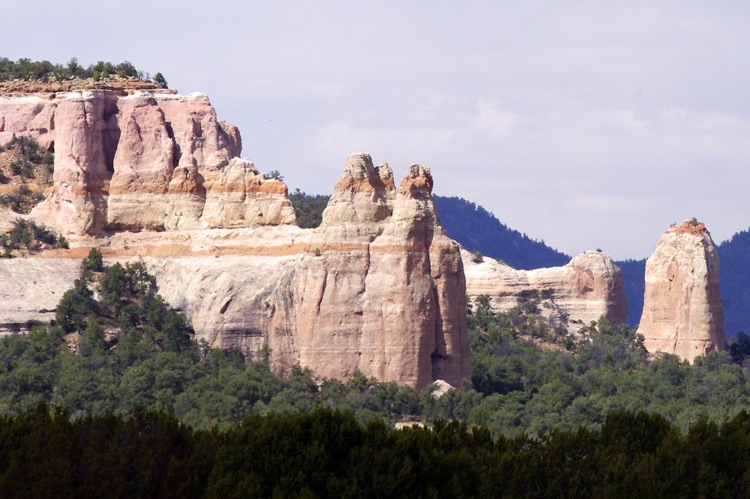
734, 258
633, 278
479, 230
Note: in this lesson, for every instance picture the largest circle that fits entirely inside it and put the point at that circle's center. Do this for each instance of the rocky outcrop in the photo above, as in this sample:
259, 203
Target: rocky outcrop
31, 288
682, 309
390, 287
587, 288
142, 160
374, 289
363, 194
153, 176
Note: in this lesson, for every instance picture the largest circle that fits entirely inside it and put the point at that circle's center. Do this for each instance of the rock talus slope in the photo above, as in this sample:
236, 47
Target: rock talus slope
587, 288
682, 309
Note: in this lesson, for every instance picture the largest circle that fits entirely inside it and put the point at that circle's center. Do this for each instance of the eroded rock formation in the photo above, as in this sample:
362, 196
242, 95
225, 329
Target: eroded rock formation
142, 160
396, 270
682, 309
153, 176
587, 288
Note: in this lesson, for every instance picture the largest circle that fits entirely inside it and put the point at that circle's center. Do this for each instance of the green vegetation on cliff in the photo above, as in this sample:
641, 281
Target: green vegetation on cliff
28, 170
116, 346
44, 71
27, 237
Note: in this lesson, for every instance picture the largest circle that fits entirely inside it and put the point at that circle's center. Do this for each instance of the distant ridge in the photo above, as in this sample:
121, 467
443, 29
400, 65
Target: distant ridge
633, 278
734, 282
479, 230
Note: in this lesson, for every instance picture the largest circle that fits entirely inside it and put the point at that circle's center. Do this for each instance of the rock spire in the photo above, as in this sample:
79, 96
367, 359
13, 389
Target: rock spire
682, 309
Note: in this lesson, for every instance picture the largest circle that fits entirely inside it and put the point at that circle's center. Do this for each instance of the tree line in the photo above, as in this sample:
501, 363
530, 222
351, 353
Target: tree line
326, 453
26, 69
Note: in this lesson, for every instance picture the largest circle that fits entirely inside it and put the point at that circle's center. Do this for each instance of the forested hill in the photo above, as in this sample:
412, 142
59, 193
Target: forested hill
634, 280
479, 230
734, 281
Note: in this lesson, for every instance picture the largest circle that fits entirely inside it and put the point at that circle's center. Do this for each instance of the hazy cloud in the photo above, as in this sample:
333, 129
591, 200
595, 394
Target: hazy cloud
589, 125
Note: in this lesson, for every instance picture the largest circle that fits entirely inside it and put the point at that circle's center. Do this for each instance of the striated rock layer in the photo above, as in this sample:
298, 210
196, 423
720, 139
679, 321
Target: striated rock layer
153, 176
142, 160
587, 288
682, 309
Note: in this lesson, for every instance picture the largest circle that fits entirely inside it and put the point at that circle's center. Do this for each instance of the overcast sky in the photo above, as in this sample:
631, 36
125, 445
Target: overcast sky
585, 124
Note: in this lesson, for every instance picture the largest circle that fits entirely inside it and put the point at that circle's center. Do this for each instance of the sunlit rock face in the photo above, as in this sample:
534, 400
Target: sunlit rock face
682, 309
392, 264
142, 160
585, 289
153, 176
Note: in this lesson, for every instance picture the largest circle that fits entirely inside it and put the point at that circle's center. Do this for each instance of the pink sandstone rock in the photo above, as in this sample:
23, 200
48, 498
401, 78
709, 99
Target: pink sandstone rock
363, 194
682, 309
142, 160
389, 292
587, 288
154, 176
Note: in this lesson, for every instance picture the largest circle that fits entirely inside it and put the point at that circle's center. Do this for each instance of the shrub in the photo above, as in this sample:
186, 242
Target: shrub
477, 257
274, 175
26, 234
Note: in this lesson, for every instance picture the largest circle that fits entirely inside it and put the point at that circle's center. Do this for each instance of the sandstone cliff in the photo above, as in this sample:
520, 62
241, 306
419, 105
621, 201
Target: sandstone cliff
682, 310
587, 288
153, 176
141, 160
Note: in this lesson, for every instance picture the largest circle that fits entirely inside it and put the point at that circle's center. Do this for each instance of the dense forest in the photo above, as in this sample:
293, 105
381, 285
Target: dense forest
324, 453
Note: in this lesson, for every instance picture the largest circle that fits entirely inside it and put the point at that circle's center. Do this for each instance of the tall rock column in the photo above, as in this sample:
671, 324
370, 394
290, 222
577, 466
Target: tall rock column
682, 310
416, 289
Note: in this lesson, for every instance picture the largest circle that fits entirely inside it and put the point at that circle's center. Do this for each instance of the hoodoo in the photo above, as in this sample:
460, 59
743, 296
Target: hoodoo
682, 310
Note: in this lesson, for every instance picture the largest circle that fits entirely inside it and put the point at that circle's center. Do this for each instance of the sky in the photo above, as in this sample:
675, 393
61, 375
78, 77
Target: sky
583, 124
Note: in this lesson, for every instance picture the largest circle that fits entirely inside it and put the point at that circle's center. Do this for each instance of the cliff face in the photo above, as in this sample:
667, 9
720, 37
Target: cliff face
143, 160
389, 286
153, 176
588, 287
682, 309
